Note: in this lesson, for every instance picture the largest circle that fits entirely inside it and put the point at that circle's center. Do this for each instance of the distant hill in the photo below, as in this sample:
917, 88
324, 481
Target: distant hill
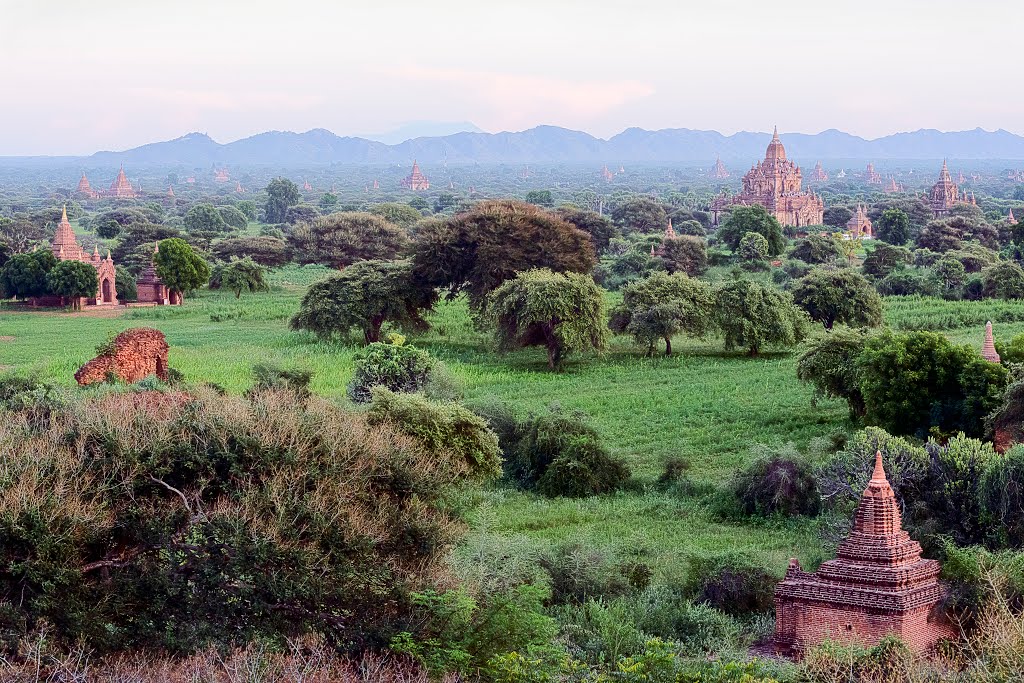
550, 144
422, 129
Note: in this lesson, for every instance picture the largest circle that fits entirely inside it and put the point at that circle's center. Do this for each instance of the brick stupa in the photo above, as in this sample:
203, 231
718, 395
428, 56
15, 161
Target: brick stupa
878, 585
988, 348
416, 181
859, 224
121, 188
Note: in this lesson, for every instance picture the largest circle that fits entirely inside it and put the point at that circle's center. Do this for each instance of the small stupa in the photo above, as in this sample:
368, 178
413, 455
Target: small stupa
988, 349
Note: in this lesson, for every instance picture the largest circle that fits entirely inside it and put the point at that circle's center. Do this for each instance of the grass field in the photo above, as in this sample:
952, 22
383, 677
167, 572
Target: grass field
703, 404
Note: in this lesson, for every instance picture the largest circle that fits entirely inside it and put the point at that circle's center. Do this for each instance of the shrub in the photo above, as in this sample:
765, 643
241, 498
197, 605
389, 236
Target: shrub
829, 364
732, 583
778, 482
393, 365
753, 315
816, 249
1003, 281
268, 376
908, 282
577, 574
1002, 499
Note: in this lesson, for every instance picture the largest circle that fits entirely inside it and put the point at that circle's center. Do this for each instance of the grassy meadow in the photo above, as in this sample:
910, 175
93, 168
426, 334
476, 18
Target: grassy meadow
703, 404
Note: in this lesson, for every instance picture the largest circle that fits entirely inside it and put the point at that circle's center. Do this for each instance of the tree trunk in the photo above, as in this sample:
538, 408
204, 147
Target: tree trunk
372, 333
668, 346
753, 352
554, 347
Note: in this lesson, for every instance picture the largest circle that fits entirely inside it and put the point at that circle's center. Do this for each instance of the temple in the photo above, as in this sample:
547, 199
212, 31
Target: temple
170, 191
775, 184
85, 189
871, 176
606, 174
859, 224
121, 188
945, 194
1010, 218
892, 186
306, 187
151, 289
818, 175
988, 347
221, 175
238, 188
66, 248
719, 172
416, 181
877, 586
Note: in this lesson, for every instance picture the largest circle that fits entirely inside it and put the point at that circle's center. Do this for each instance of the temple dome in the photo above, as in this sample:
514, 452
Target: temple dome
775, 149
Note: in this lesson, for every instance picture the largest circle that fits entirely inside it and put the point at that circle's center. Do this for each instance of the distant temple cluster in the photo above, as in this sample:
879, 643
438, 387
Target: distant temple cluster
871, 176
775, 183
416, 181
946, 194
119, 189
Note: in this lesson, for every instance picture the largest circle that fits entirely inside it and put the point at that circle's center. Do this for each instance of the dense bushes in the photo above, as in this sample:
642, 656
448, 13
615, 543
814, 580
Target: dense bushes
393, 365
778, 483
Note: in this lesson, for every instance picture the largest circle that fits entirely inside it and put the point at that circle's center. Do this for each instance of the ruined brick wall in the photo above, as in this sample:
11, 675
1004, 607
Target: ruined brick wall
136, 354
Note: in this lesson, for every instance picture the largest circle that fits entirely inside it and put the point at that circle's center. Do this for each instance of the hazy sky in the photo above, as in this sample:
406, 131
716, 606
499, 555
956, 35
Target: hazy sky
82, 76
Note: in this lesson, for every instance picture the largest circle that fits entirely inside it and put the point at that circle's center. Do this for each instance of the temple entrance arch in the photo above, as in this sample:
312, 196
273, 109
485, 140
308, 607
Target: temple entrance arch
107, 291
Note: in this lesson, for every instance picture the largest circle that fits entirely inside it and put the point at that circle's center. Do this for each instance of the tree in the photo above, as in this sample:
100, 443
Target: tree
301, 213
756, 218
837, 217
1003, 281
24, 275
753, 315
73, 280
686, 254
248, 209
838, 296
915, 381
328, 202
124, 285
341, 239
885, 258
690, 227
753, 250
540, 198
402, 215
266, 251
180, 267
815, 249
205, 219
243, 275
599, 227
951, 233
5, 253
233, 217
364, 296
20, 233
829, 364
281, 193
893, 226
562, 312
135, 248
475, 251
951, 273
662, 306
640, 214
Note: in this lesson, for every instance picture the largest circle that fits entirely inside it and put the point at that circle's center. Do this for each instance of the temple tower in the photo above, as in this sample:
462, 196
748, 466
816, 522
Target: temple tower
988, 348
121, 188
416, 181
945, 194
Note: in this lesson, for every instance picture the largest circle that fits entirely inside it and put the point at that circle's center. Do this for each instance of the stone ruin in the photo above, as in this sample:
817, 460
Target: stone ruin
134, 355
877, 586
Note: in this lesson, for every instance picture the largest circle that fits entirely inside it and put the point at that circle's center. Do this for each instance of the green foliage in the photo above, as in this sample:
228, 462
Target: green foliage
778, 482
598, 227
686, 254
270, 376
731, 583
662, 306
363, 297
1002, 498
124, 284
829, 364
281, 194
266, 251
396, 366
909, 282
915, 381
205, 219
640, 214
540, 198
402, 215
893, 226
243, 275
884, 259
1011, 351
563, 313
72, 280
756, 219
816, 249
25, 275
341, 239
232, 217
753, 249
838, 296
751, 315
301, 213
180, 267
476, 251
449, 432
248, 209
951, 274
1003, 281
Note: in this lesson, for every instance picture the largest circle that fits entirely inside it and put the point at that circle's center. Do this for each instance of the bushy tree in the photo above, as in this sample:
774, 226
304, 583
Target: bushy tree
135, 248
248, 209
24, 275
180, 267
540, 198
341, 239
662, 306
884, 258
205, 219
951, 274
756, 219
124, 284
266, 251
915, 381
841, 295
686, 254
233, 217
475, 251
778, 483
394, 365
640, 214
598, 227
281, 194
829, 364
909, 282
562, 312
73, 280
1003, 281
893, 226
363, 297
815, 249
243, 275
402, 215
301, 213
753, 250
752, 315
837, 217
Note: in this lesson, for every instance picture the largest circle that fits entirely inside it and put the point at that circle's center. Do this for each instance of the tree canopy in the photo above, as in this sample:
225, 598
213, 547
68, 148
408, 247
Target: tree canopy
893, 226
73, 280
281, 194
180, 267
752, 315
685, 254
599, 228
640, 214
754, 219
662, 306
242, 275
341, 239
24, 275
841, 295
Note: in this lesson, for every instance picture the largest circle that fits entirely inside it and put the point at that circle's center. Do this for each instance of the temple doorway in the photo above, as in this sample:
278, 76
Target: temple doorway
107, 292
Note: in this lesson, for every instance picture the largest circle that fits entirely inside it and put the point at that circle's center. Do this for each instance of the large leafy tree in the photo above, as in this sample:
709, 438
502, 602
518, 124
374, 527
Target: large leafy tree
600, 229
829, 364
837, 216
281, 194
885, 258
686, 254
474, 252
752, 315
341, 239
815, 249
266, 251
915, 381
662, 306
73, 280
564, 313
135, 248
893, 226
24, 275
640, 214
180, 267
755, 219
205, 219
402, 215
363, 297
20, 233
838, 296
1003, 281
242, 275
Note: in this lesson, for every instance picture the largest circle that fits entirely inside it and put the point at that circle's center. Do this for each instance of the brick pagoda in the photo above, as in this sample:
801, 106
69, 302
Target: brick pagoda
85, 189
121, 188
151, 289
774, 183
945, 194
66, 248
892, 187
871, 176
988, 347
1010, 219
859, 224
818, 175
416, 181
719, 172
878, 585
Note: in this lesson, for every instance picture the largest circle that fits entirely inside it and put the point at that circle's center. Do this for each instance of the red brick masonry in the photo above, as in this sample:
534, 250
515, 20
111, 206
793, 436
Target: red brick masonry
136, 354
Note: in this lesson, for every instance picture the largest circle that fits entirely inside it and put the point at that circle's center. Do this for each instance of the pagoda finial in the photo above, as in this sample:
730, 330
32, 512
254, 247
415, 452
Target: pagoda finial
775, 134
988, 348
64, 214
878, 476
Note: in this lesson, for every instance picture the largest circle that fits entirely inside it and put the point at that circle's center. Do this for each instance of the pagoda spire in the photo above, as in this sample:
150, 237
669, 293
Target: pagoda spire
988, 348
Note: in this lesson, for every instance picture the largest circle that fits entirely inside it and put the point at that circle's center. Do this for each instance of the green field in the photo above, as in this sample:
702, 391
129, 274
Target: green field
703, 404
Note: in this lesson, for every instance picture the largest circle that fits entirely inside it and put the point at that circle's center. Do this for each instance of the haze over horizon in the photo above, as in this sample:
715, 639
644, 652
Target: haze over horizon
122, 74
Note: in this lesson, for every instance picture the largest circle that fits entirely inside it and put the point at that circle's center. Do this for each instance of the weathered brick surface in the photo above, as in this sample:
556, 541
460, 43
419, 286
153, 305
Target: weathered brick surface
876, 586
136, 354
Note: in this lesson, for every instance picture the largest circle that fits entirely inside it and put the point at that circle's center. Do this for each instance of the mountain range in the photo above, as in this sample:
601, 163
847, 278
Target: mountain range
550, 144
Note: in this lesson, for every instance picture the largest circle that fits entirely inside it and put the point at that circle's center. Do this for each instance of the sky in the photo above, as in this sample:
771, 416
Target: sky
81, 77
